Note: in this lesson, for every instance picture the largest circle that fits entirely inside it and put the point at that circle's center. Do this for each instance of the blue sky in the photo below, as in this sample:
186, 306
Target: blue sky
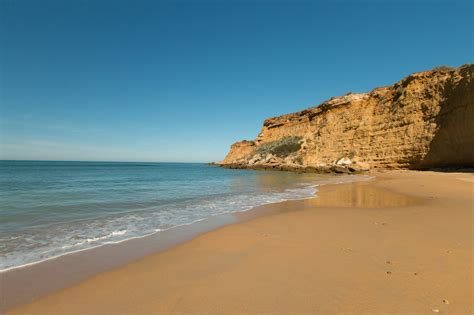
182, 80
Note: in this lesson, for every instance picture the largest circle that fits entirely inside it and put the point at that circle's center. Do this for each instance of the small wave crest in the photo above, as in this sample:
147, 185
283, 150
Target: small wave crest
95, 239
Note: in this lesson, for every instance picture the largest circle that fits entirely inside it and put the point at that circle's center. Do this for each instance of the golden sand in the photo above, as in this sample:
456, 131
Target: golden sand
399, 244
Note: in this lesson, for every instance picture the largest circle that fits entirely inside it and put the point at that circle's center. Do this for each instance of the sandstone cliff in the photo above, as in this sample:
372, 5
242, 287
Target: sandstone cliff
423, 121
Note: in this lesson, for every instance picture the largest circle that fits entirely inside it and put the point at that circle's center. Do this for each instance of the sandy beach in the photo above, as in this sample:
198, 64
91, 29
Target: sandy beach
401, 243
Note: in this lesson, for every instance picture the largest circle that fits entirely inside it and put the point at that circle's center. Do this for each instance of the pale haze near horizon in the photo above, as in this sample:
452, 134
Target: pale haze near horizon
163, 81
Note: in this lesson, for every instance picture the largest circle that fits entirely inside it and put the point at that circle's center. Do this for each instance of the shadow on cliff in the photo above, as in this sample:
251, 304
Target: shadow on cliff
453, 144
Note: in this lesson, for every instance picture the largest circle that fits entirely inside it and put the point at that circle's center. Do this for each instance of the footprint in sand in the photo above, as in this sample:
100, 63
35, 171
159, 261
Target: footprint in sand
347, 250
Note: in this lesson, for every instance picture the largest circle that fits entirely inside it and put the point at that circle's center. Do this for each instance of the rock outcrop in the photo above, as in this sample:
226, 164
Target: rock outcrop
423, 121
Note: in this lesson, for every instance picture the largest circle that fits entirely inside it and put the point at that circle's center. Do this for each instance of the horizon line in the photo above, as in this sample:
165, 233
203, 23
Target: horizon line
98, 161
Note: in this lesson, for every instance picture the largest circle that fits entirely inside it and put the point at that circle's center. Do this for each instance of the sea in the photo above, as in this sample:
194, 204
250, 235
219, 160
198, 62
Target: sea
50, 208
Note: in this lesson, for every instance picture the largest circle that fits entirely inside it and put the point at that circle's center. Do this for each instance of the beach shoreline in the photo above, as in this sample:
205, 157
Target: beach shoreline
319, 251
59, 272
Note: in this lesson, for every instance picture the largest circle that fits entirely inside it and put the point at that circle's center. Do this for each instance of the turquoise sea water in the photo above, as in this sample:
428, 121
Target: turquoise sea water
52, 208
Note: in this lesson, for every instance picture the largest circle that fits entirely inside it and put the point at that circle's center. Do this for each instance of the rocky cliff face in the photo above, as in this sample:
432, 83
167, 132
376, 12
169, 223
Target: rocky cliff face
423, 121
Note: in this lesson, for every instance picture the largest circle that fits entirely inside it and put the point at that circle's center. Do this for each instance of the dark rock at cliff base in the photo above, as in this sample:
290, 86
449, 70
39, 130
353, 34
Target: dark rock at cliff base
340, 169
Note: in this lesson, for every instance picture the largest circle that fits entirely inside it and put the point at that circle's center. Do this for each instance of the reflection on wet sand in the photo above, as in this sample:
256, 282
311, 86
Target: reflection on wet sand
350, 195
361, 195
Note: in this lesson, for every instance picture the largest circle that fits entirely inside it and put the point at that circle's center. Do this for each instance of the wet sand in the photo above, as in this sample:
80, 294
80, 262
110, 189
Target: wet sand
399, 244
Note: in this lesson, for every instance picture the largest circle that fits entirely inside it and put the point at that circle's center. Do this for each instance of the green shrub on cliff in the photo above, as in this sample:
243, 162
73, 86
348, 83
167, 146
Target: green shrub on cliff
282, 147
443, 68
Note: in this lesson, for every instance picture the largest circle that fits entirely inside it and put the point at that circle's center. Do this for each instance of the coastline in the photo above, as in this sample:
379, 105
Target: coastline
72, 267
312, 255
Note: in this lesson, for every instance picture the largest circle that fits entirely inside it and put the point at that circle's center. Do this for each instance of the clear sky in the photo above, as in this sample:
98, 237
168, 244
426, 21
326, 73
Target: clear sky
182, 80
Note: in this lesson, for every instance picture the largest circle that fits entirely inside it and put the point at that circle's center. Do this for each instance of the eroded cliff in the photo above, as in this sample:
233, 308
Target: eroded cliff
423, 121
